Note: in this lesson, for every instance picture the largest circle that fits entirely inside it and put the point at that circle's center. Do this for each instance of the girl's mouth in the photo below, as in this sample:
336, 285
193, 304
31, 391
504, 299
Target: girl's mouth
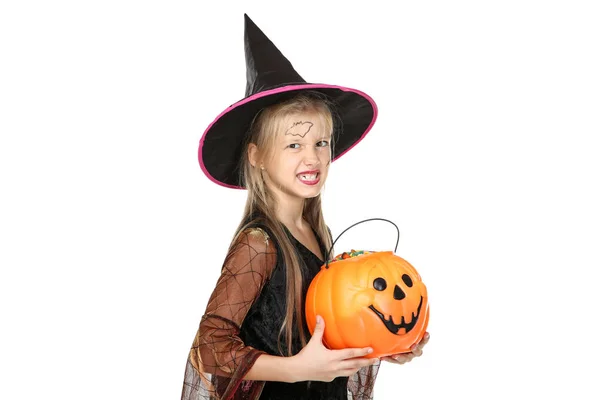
309, 178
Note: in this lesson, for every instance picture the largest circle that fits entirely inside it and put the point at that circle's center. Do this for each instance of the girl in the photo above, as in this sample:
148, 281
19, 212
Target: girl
278, 143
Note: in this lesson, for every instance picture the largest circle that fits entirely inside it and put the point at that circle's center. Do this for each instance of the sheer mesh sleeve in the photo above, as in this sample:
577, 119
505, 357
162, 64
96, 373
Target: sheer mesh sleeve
360, 385
218, 359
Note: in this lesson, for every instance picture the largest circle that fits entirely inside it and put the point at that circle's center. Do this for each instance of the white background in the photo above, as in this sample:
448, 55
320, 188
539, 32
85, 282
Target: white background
485, 154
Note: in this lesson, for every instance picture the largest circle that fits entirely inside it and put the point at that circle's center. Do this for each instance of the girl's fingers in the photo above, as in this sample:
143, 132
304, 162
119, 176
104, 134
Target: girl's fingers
357, 363
352, 353
348, 368
400, 358
417, 351
394, 360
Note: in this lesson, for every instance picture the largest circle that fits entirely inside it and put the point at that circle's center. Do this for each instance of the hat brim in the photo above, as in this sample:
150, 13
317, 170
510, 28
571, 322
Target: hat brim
221, 144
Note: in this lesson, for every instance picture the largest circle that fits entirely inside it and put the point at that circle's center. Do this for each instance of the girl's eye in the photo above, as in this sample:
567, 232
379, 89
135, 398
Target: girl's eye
294, 146
323, 143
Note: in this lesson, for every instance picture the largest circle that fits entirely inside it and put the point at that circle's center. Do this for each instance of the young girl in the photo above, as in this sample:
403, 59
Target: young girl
278, 143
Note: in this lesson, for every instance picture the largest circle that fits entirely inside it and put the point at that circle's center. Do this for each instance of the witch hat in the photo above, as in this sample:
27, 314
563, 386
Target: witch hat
270, 79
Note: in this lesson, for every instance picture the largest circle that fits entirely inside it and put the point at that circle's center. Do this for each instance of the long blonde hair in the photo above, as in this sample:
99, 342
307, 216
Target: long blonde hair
260, 202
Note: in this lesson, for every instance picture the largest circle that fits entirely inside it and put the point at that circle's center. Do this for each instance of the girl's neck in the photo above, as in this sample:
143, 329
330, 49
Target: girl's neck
291, 215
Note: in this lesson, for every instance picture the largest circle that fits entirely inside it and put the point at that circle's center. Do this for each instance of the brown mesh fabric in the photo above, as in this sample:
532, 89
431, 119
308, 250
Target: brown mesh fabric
218, 359
360, 385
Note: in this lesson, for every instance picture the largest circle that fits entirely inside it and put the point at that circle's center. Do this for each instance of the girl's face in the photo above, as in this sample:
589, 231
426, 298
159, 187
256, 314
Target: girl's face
298, 165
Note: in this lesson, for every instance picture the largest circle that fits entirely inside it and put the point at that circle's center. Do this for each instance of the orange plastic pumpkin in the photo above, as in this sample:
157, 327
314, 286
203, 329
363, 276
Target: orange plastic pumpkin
374, 299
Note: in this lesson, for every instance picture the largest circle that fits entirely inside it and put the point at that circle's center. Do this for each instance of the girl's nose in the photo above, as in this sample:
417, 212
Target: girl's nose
311, 156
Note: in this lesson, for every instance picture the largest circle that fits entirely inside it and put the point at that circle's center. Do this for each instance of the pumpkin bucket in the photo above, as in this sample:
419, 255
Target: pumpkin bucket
369, 299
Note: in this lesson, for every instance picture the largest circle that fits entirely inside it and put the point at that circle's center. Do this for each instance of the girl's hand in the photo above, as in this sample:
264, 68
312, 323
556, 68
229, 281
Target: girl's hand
315, 362
416, 351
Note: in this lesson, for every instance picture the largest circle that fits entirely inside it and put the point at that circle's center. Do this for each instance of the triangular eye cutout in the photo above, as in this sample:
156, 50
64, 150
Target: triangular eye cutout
266, 66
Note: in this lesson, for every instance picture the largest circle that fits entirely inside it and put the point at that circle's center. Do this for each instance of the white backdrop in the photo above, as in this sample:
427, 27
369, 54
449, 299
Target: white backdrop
485, 154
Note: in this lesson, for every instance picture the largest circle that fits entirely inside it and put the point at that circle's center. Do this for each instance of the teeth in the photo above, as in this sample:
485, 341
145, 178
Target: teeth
402, 320
308, 177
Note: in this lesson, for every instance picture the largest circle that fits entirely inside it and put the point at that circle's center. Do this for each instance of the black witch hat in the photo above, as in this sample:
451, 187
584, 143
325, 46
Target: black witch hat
270, 79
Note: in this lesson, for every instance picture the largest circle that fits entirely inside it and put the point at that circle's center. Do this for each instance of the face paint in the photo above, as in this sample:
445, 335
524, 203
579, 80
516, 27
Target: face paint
300, 128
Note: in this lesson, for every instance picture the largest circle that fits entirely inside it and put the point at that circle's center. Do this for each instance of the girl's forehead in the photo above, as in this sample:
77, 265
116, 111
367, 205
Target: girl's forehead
300, 125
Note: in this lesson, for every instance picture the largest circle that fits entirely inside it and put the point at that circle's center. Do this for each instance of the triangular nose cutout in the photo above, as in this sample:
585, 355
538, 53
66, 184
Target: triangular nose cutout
398, 293
266, 66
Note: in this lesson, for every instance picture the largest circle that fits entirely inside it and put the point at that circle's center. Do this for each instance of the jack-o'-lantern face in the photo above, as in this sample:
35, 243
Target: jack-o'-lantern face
374, 299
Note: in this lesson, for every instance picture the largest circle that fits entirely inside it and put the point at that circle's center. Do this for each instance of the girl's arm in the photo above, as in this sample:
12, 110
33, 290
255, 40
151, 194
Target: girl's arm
217, 348
314, 362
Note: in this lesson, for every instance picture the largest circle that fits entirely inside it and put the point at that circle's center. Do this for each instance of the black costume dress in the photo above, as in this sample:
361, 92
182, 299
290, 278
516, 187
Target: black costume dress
242, 321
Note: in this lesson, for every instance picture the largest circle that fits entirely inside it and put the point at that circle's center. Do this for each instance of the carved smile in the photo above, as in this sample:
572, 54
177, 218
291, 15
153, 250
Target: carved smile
394, 328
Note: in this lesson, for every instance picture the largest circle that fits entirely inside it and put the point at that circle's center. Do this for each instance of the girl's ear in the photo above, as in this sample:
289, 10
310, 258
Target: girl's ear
253, 154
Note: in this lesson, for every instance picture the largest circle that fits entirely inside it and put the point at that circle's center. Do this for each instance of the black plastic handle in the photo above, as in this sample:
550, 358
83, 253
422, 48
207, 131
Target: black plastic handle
360, 222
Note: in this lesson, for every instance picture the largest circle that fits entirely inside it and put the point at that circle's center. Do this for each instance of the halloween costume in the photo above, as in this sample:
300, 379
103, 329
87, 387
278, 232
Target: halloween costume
246, 310
243, 315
